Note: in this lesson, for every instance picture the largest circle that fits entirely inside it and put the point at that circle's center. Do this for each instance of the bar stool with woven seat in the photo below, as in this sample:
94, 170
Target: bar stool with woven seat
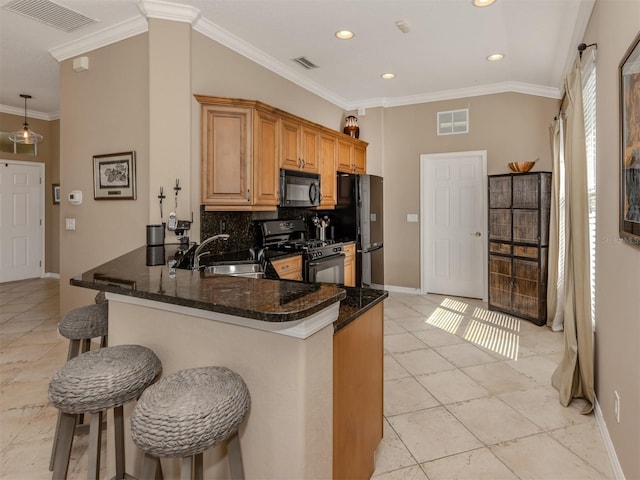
188, 412
80, 325
92, 383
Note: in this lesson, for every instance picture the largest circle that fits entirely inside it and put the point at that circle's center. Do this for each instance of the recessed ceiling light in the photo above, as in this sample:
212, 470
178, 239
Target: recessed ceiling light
494, 57
388, 76
344, 34
483, 3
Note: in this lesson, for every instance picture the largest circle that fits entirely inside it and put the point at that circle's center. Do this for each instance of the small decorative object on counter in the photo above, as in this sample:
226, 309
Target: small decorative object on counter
521, 167
351, 127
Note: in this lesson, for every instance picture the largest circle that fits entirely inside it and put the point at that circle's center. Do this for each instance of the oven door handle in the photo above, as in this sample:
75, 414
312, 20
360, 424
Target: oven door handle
315, 264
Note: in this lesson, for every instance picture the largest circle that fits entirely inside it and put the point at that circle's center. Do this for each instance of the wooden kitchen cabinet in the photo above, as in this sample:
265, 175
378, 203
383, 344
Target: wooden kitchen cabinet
299, 146
519, 207
226, 155
239, 155
352, 156
327, 166
350, 265
289, 268
357, 395
266, 174
244, 143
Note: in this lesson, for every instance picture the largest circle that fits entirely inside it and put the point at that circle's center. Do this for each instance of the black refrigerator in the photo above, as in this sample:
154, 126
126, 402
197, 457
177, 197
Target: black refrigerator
358, 216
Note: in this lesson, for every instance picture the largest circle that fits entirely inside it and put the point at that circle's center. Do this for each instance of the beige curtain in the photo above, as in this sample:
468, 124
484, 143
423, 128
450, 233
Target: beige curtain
574, 376
555, 296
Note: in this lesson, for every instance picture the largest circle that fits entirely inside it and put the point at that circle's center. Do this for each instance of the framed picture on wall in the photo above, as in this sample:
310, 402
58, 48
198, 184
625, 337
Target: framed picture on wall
56, 193
114, 176
630, 144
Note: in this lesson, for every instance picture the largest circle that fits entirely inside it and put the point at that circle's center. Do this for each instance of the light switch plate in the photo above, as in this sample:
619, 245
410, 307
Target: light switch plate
70, 223
412, 217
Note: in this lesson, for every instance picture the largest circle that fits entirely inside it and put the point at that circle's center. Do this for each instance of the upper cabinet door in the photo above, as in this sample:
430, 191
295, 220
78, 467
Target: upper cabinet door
328, 150
290, 156
345, 156
359, 159
266, 172
299, 147
226, 155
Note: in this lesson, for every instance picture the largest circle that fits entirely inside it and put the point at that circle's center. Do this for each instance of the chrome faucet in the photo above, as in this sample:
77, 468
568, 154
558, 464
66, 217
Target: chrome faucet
197, 254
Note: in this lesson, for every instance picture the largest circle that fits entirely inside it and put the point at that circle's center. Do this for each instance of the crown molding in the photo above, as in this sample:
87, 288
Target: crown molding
214, 32
30, 113
505, 87
169, 11
128, 28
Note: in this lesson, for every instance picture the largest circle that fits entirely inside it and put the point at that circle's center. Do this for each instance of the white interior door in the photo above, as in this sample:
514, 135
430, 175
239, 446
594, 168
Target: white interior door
453, 223
21, 225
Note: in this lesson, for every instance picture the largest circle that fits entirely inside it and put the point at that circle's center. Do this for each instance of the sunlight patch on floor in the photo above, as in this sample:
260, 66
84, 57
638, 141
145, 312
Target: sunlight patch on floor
456, 305
493, 331
497, 319
492, 337
445, 319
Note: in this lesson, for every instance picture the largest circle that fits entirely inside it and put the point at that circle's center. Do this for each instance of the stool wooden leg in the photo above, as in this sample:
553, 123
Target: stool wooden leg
74, 349
186, 468
198, 466
95, 445
151, 468
118, 428
236, 469
63, 446
55, 442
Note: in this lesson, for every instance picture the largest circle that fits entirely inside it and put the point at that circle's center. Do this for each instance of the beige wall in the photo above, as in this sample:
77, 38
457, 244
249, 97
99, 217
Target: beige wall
510, 126
613, 25
49, 154
103, 110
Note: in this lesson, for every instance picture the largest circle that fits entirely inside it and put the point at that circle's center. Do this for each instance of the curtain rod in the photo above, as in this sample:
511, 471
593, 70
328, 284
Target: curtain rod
581, 48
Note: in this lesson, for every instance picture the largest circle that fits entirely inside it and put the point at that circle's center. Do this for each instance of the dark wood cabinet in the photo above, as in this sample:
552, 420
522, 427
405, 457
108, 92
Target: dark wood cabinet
519, 207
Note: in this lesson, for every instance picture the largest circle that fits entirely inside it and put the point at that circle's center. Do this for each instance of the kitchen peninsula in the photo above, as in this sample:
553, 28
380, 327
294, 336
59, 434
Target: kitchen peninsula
278, 335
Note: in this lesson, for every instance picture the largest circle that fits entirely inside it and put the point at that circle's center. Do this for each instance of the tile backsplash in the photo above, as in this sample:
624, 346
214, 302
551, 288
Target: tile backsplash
241, 226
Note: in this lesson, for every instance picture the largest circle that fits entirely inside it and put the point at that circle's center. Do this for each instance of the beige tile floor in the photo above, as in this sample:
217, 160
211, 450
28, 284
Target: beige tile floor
467, 393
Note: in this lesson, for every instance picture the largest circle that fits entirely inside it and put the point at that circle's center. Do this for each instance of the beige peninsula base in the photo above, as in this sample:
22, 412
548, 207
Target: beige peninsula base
288, 431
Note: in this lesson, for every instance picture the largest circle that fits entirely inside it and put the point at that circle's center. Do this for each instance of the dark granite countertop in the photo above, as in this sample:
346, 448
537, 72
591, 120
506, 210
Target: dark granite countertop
143, 274
267, 299
357, 301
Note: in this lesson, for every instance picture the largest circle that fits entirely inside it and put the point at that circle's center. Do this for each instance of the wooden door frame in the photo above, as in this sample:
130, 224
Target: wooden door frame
41, 206
424, 257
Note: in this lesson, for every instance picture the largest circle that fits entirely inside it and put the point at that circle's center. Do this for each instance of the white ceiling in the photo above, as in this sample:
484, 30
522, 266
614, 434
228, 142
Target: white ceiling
443, 56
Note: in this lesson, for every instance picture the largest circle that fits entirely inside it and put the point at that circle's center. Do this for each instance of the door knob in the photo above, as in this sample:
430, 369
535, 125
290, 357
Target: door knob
477, 234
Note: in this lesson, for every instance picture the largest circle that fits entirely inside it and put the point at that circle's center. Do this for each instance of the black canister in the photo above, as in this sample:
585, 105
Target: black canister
155, 235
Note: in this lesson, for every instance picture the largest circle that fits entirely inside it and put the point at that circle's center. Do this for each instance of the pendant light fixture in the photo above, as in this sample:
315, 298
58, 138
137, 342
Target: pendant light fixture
26, 135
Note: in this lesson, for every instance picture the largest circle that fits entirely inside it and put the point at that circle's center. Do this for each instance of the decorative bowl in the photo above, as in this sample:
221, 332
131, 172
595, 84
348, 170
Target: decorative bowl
521, 167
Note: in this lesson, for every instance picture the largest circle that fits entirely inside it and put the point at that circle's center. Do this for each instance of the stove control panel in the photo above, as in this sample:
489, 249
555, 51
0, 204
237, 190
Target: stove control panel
324, 251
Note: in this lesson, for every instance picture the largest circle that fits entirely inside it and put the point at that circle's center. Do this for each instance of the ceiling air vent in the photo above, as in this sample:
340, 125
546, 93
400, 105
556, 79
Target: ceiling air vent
305, 63
50, 13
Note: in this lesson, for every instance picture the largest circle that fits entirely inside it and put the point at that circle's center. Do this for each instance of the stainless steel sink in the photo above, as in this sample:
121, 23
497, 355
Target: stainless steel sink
252, 270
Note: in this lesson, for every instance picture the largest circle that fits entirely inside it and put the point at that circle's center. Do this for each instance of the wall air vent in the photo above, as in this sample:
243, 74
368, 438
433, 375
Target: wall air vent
453, 122
305, 63
50, 13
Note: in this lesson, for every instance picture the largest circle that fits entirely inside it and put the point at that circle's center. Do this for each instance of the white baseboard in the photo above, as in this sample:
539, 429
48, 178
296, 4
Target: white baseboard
51, 275
608, 444
408, 290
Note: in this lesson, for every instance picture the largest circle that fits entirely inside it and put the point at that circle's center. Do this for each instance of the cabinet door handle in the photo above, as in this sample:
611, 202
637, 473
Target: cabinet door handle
476, 234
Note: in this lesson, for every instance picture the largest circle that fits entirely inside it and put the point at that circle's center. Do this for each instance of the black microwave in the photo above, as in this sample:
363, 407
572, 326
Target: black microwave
299, 189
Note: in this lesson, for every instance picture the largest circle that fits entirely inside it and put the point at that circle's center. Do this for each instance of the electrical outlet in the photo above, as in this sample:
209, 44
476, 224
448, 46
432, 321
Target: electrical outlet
616, 405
